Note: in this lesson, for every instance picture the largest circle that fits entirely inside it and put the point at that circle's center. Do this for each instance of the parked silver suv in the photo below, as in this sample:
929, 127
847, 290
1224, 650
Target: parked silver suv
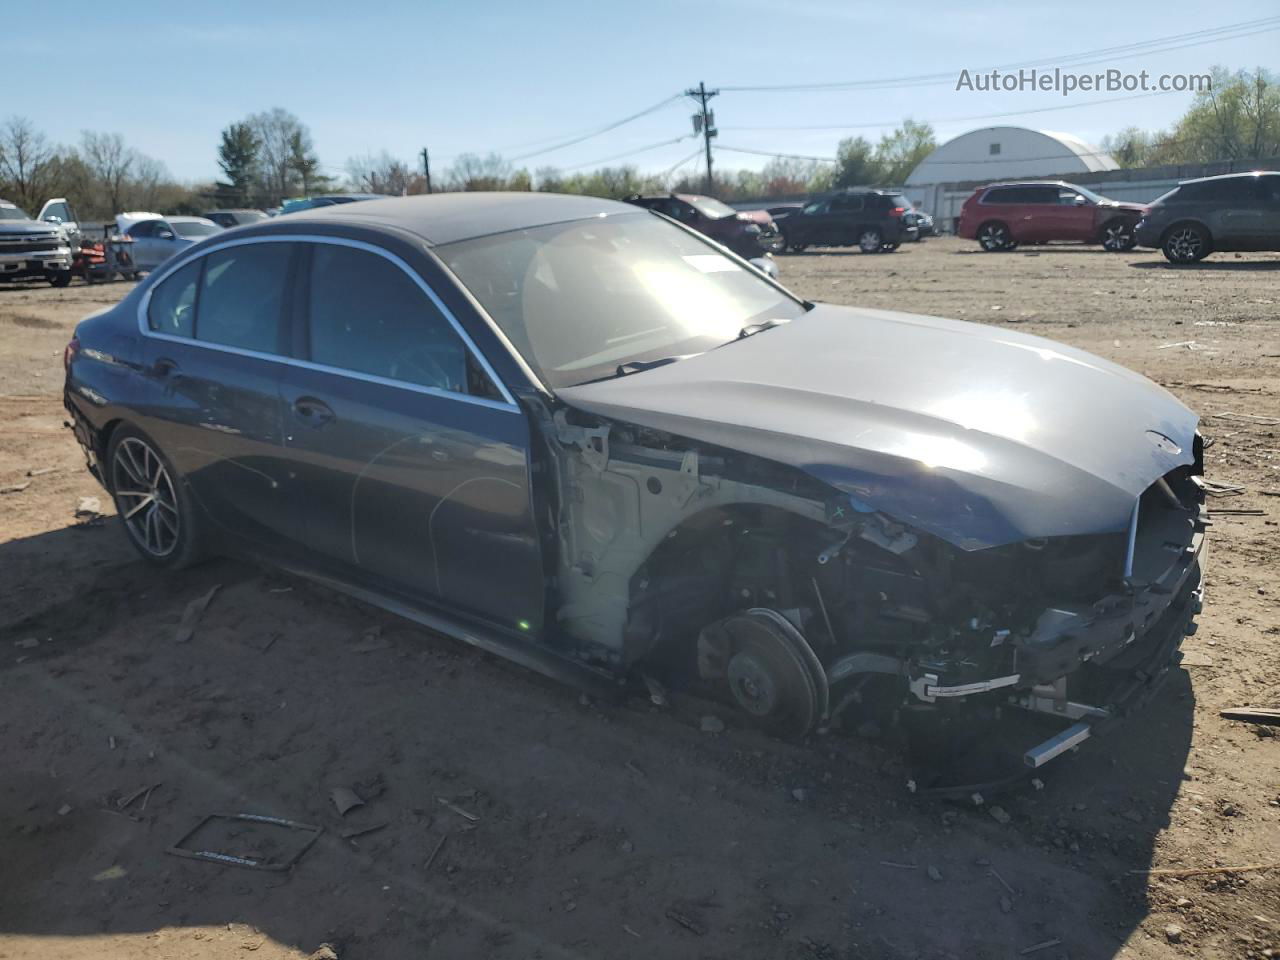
30, 249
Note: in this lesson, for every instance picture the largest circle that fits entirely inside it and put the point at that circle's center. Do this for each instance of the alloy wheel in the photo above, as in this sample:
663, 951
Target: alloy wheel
994, 236
1184, 245
869, 241
1117, 237
145, 497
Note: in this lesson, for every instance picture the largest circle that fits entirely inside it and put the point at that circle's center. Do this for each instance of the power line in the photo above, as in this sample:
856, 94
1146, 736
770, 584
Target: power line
671, 171
628, 153
605, 129
1155, 45
770, 153
982, 116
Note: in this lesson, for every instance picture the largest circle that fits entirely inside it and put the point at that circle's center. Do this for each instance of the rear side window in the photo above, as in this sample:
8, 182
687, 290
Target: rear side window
1239, 190
173, 302
1000, 195
846, 204
368, 316
242, 296
147, 228
1270, 189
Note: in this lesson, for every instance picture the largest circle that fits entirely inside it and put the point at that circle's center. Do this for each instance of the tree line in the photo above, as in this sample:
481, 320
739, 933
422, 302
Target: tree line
269, 156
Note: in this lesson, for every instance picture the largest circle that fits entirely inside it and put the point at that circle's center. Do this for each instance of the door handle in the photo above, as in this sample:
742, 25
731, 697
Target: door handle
312, 412
163, 367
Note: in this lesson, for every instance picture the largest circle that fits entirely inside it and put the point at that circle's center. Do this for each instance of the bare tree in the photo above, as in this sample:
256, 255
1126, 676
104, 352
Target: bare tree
470, 171
383, 174
110, 163
282, 138
30, 167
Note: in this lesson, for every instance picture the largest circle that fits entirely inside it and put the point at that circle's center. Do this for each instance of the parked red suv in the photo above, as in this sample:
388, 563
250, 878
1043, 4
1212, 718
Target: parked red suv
1002, 215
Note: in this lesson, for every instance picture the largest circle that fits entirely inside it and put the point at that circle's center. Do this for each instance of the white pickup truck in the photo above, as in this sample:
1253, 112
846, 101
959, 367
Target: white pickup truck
38, 249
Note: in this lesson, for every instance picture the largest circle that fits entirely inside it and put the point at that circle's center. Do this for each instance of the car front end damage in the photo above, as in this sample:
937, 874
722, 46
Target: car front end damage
828, 543
806, 608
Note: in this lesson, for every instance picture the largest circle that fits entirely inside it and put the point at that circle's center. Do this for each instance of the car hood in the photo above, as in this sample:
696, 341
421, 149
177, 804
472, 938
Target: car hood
1123, 205
26, 226
761, 217
975, 434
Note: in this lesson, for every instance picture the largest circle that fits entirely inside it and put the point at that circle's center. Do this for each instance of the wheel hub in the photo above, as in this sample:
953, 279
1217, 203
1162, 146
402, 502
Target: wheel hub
753, 687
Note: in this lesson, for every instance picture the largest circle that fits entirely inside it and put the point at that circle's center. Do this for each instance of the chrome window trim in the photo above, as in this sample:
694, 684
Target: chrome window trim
507, 403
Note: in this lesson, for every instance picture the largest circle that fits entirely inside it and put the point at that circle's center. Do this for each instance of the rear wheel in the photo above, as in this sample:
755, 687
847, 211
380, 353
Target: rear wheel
154, 504
60, 279
1186, 243
870, 240
1117, 236
995, 236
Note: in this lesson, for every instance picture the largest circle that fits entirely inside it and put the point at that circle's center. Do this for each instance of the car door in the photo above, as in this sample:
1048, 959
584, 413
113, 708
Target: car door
1069, 217
411, 464
846, 213
807, 224
1036, 213
146, 254
1269, 238
214, 353
1242, 211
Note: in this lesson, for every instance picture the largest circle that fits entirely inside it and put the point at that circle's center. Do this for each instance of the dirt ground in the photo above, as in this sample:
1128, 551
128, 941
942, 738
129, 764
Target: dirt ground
516, 819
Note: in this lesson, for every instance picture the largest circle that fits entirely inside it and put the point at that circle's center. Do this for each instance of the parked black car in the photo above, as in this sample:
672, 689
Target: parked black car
1238, 211
872, 220
572, 432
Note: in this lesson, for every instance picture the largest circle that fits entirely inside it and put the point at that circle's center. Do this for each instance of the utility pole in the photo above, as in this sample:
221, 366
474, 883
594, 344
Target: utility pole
426, 167
705, 122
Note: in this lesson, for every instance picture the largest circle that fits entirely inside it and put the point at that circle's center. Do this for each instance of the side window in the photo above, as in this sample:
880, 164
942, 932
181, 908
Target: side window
818, 206
173, 301
998, 196
1041, 195
1067, 197
1271, 189
846, 204
147, 228
367, 315
60, 210
162, 230
242, 296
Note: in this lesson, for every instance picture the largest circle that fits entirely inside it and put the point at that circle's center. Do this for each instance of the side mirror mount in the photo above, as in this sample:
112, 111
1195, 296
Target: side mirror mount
164, 235
52, 218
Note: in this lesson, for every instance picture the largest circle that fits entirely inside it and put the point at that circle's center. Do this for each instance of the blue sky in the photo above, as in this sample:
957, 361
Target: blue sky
480, 76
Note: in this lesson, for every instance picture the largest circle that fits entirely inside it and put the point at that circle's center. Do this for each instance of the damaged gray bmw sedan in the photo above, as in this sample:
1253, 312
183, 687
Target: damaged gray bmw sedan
587, 438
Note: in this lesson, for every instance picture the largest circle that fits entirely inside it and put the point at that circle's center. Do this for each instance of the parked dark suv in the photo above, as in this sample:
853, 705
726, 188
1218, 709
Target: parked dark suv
1002, 215
872, 220
1239, 211
748, 233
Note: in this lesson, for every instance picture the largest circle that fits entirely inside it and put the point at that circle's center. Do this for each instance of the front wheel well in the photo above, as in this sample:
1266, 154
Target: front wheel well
713, 563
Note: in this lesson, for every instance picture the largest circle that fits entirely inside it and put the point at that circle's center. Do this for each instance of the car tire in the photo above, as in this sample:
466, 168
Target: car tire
870, 239
994, 237
153, 501
1186, 243
1117, 235
60, 279
797, 247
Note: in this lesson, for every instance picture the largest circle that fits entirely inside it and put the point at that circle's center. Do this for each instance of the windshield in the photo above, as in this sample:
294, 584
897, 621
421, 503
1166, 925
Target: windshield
579, 299
12, 213
712, 208
189, 229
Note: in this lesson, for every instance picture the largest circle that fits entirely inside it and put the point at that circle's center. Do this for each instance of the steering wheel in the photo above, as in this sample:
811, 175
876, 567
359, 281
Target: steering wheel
420, 360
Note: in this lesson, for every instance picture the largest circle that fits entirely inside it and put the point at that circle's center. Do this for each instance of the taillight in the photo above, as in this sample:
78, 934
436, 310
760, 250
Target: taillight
69, 353
897, 211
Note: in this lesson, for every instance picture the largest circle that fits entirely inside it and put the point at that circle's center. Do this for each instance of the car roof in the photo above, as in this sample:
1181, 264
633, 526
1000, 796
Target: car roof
1233, 176
1028, 183
442, 218
187, 220
233, 210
